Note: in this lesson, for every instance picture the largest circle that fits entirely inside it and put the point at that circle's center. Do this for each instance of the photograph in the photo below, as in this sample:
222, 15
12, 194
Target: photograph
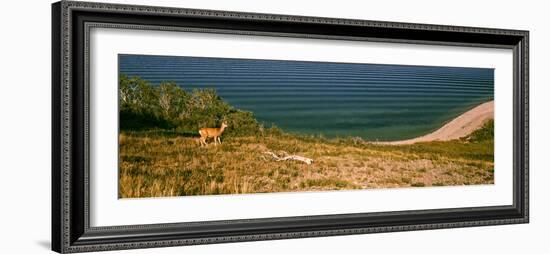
193, 125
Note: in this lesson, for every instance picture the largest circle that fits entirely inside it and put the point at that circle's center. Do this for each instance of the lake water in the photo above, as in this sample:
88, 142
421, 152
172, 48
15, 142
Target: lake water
371, 101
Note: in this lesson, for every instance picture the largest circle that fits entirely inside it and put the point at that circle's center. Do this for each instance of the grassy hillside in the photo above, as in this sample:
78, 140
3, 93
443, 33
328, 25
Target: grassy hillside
159, 154
160, 163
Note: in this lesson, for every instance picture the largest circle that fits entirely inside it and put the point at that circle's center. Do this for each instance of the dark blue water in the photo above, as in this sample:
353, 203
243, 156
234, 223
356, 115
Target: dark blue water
372, 101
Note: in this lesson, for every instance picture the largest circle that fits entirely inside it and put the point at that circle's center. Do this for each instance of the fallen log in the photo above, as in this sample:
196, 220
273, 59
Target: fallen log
307, 161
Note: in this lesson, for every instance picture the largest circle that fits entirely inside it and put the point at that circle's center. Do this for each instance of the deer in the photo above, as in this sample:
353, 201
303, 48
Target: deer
212, 133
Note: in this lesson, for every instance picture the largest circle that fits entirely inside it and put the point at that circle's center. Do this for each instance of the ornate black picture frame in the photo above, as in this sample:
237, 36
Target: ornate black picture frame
71, 230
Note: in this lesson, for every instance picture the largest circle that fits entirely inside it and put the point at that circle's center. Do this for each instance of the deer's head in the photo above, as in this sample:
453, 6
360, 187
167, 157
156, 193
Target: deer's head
224, 124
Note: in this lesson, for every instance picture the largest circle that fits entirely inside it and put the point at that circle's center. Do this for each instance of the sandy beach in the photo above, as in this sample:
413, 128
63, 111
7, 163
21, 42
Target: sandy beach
459, 127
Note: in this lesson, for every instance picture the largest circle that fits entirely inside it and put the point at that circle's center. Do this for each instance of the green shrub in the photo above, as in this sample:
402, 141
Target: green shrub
487, 132
167, 106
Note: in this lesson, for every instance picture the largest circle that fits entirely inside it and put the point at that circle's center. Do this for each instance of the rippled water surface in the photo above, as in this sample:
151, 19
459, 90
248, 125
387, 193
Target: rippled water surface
372, 101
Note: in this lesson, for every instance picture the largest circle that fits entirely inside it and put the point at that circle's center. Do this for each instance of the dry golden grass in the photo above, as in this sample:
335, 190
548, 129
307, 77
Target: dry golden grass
159, 164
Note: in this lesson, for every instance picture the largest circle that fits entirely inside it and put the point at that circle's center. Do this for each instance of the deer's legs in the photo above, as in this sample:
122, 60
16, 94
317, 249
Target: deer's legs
217, 140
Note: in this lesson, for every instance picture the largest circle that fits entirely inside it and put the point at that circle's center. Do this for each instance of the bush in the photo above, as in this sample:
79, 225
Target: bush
242, 123
167, 106
487, 132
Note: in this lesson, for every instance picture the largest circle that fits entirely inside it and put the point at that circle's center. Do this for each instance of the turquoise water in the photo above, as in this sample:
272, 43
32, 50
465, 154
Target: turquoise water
371, 101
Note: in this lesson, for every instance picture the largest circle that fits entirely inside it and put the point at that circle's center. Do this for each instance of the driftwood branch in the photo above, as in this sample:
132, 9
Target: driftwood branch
285, 157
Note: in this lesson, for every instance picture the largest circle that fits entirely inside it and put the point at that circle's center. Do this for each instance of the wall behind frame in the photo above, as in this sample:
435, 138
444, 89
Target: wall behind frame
25, 129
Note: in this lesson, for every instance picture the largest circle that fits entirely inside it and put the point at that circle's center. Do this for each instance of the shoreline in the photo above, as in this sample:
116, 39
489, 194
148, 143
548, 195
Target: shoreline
459, 127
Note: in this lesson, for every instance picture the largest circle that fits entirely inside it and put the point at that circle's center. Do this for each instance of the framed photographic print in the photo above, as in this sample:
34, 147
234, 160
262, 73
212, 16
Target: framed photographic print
181, 126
